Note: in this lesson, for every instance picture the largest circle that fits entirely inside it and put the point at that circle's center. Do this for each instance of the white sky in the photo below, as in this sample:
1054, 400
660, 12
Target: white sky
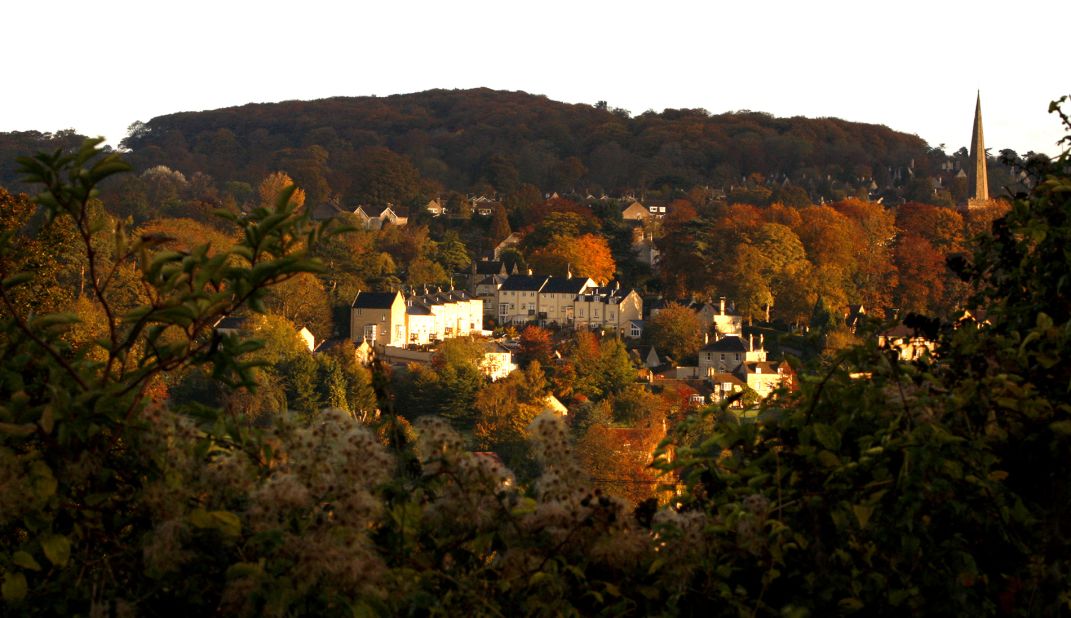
912, 65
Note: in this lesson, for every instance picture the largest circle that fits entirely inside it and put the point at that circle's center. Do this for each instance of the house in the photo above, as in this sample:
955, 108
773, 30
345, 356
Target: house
378, 318
362, 351
553, 405
764, 377
728, 353
555, 298
324, 211
236, 325
907, 343
375, 217
435, 315
608, 308
635, 212
725, 385
518, 298
726, 323
512, 240
435, 208
497, 361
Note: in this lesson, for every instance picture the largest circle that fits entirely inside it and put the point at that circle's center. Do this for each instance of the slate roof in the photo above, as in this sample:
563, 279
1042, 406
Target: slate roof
728, 343
561, 285
524, 283
374, 300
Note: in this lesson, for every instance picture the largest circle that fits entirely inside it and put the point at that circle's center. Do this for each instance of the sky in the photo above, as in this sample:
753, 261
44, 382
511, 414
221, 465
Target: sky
914, 66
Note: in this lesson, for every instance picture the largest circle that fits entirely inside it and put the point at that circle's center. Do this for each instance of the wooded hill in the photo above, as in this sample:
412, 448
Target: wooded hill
404, 147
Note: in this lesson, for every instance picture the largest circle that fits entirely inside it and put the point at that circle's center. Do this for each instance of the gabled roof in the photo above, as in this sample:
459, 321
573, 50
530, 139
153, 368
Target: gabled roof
524, 283
374, 300
562, 285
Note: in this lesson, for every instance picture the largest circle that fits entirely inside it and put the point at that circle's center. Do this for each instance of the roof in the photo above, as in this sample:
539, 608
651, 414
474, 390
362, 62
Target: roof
489, 267
562, 285
728, 343
722, 377
494, 347
412, 308
324, 211
524, 283
374, 300
232, 322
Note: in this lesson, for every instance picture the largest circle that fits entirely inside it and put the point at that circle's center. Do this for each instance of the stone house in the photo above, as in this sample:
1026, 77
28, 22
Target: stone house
375, 217
518, 298
608, 308
379, 318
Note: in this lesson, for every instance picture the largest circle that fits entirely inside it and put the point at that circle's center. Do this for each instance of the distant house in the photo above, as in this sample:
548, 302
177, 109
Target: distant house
908, 343
553, 405
497, 361
512, 240
375, 217
727, 354
764, 377
635, 212
235, 325
435, 208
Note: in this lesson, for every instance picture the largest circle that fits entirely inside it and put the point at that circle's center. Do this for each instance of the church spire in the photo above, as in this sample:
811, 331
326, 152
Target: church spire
977, 176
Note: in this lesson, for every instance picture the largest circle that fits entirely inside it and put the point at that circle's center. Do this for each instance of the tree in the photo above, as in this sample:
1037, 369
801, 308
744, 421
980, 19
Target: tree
383, 176
499, 229
587, 255
535, 346
108, 408
675, 331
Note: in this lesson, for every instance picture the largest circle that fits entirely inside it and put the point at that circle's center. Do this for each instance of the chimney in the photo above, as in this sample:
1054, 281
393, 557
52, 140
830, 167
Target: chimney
706, 338
722, 303
762, 341
568, 271
529, 272
751, 341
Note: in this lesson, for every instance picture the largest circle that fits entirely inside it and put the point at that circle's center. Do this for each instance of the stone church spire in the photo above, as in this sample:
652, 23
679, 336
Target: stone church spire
977, 176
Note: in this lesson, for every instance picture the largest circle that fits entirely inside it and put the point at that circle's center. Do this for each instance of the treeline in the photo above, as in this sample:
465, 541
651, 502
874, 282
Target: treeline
398, 147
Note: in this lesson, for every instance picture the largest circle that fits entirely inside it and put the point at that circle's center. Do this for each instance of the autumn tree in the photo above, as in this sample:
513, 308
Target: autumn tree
535, 346
500, 229
587, 255
275, 182
675, 331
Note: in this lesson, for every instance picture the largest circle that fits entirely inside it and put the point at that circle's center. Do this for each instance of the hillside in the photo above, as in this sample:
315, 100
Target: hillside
480, 140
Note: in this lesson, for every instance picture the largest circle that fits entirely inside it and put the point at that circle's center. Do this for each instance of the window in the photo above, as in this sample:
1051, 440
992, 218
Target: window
370, 332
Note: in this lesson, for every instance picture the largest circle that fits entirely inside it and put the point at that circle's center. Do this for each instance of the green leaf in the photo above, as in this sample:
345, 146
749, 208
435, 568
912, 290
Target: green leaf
827, 436
862, 513
57, 549
26, 561
227, 522
14, 588
850, 604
